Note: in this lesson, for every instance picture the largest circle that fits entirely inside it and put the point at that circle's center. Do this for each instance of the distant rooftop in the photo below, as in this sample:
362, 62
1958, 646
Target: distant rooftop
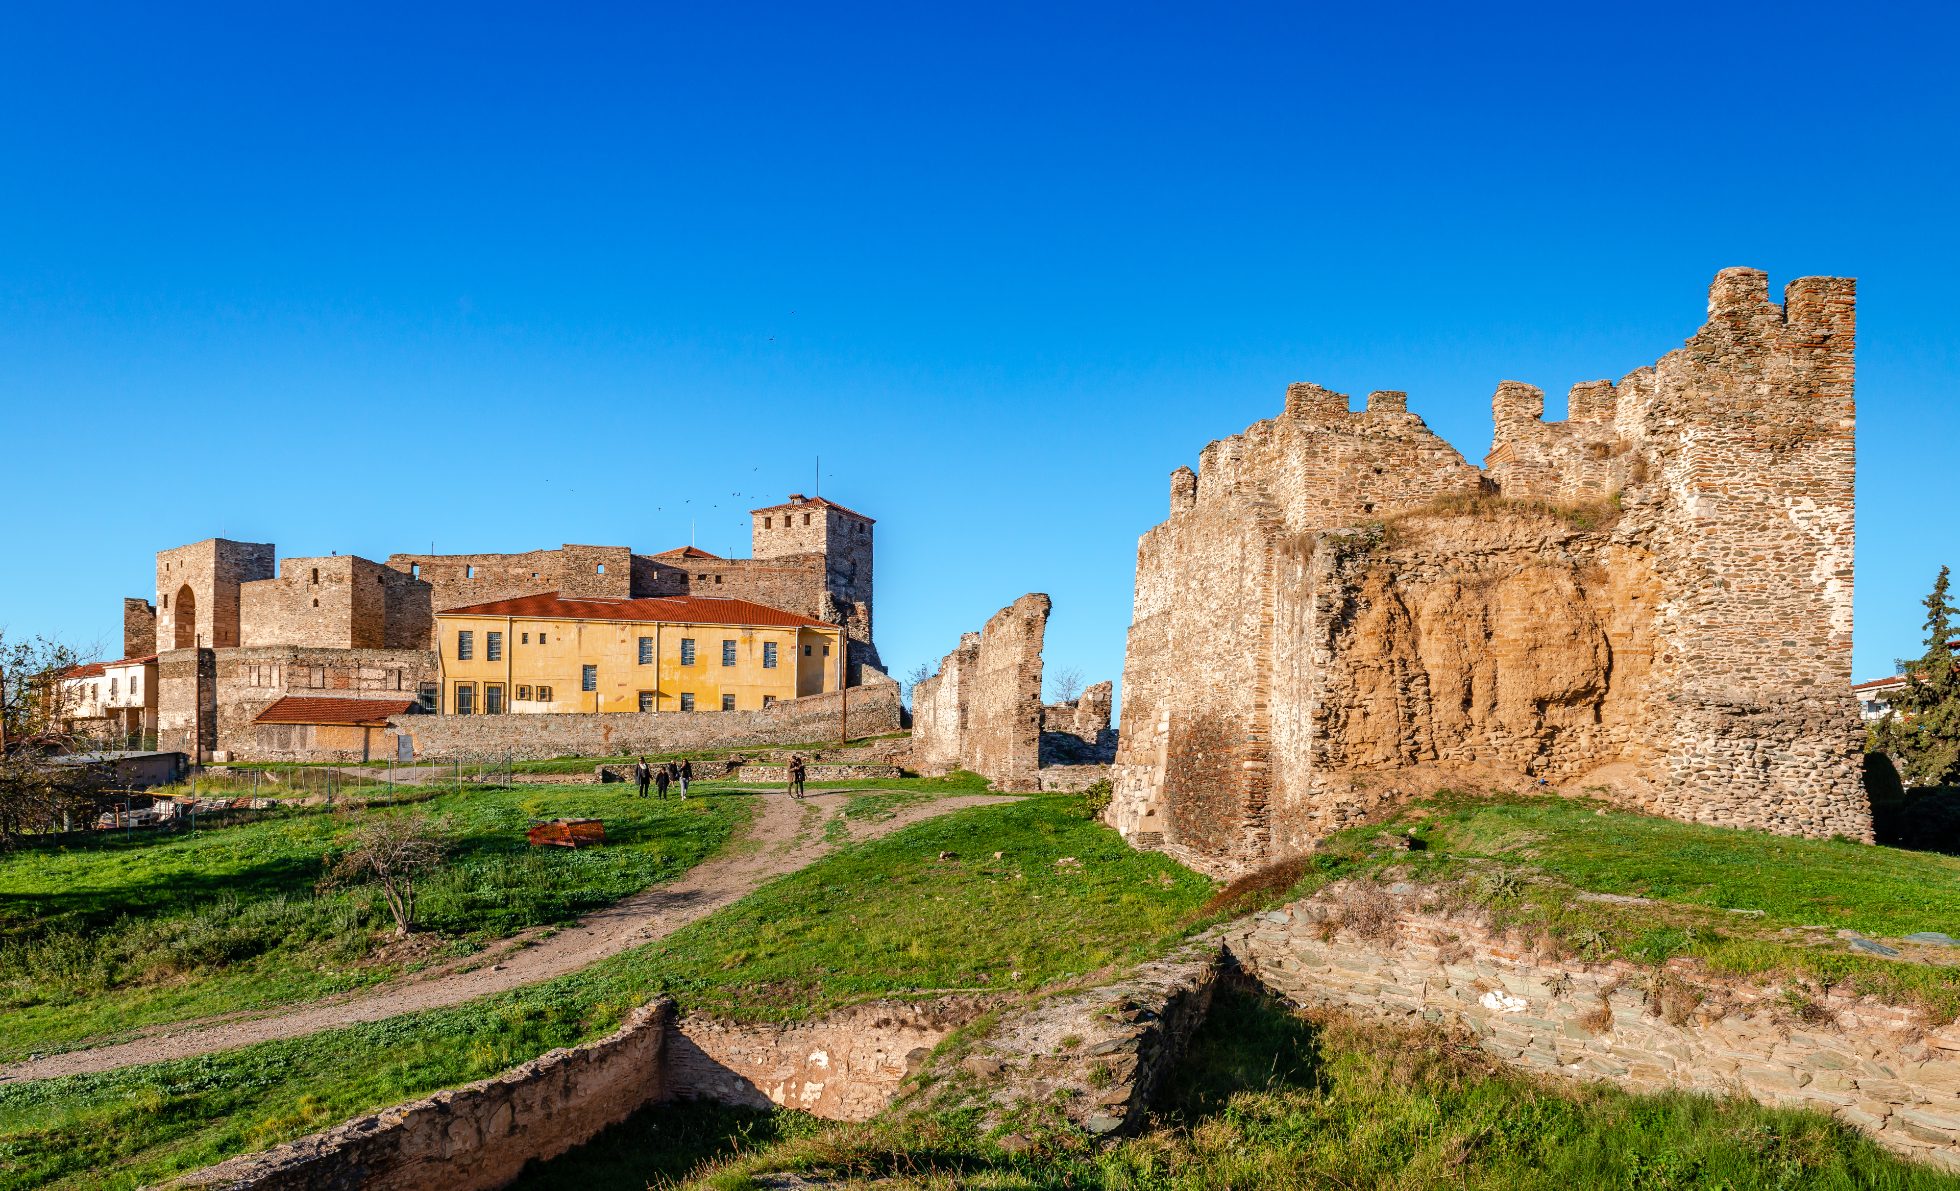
673, 609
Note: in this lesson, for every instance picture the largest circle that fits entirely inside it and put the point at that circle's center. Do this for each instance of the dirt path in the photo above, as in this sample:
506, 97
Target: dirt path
783, 837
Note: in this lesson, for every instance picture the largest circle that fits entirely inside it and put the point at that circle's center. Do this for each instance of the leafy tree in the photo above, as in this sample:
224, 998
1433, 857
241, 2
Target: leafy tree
1921, 729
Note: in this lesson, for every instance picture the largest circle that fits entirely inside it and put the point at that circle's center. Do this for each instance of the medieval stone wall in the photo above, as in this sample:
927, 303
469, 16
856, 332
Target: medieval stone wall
982, 711
198, 591
1653, 595
1079, 731
871, 710
458, 580
139, 628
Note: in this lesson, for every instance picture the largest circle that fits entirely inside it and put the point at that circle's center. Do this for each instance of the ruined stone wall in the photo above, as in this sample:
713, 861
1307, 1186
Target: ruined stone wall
1884, 1069
982, 711
139, 628
339, 602
1657, 590
873, 710
187, 709
476, 1137
1079, 732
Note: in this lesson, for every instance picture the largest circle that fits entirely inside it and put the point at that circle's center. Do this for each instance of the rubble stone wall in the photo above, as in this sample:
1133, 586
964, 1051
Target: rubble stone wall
1875, 1066
873, 710
139, 628
1652, 597
983, 710
476, 1137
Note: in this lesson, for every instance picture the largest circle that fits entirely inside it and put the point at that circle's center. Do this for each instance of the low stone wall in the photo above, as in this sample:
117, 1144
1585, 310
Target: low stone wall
1072, 779
1098, 1054
1387, 955
779, 774
479, 1136
844, 1067
873, 710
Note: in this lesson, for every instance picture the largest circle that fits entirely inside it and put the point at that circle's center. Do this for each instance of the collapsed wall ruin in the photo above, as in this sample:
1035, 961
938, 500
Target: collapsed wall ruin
982, 711
1650, 600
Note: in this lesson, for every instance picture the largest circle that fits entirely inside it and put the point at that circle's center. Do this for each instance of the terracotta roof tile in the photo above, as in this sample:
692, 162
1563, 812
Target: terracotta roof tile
304, 709
674, 609
813, 502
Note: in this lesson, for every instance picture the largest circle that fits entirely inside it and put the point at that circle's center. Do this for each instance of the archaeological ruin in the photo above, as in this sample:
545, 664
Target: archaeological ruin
1649, 601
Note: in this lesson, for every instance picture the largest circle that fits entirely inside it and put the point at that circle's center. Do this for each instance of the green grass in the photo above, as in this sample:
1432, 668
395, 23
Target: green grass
881, 918
1269, 1100
663, 1143
1520, 861
121, 932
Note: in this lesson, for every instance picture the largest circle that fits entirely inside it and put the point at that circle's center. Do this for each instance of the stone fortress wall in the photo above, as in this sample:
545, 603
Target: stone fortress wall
345, 626
1651, 598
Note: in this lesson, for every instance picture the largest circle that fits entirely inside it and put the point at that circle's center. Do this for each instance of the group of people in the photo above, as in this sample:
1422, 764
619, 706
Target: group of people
663, 776
669, 774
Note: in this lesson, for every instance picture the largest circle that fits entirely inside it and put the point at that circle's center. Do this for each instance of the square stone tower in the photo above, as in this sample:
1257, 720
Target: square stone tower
197, 591
813, 525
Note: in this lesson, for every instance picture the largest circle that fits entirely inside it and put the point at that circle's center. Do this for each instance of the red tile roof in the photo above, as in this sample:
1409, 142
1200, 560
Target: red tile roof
686, 552
1880, 683
674, 609
86, 670
813, 502
361, 713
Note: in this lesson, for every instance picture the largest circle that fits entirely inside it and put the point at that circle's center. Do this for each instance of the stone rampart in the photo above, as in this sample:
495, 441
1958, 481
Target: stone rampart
983, 710
872, 710
1652, 597
475, 1137
1878, 1067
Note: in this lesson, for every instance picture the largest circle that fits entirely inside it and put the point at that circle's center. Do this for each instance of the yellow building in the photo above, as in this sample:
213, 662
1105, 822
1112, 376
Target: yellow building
544, 653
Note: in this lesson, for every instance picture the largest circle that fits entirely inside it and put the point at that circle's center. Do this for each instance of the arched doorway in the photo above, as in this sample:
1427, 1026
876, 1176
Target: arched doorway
184, 617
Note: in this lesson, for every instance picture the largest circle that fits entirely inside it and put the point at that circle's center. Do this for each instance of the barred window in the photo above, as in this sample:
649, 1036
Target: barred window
687, 651
544, 694
768, 655
523, 693
727, 653
728, 702
588, 678
646, 651
687, 700
646, 700
465, 698
465, 645
493, 647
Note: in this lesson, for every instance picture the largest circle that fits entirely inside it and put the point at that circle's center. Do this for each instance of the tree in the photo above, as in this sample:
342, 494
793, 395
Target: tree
393, 850
1065, 684
1921, 728
35, 705
919, 674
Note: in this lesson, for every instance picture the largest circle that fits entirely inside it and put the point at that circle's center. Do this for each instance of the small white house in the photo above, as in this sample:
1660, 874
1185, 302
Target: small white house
113, 699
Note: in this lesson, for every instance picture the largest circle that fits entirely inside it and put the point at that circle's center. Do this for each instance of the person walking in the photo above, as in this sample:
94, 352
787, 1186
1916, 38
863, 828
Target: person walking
796, 777
660, 782
643, 776
686, 774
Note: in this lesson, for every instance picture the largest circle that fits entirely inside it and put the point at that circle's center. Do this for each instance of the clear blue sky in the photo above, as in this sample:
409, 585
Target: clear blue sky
370, 277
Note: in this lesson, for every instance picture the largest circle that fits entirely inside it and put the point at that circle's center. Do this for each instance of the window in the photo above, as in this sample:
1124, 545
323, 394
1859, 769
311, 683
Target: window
544, 694
717, 578
493, 647
523, 638
112, 688
316, 574
523, 693
540, 638
768, 701
469, 572
135, 685
727, 653
493, 698
646, 651
465, 698
316, 602
765, 523
826, 651
768, 655
646, 700
415, 570
687, 651
588, 678
806, 518
166, 601
806, 651
728, 702
687, 700
602, 568
465, 645
426, 696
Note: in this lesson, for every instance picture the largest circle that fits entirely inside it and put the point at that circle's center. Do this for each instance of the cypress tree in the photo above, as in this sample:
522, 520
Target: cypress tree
1921, 730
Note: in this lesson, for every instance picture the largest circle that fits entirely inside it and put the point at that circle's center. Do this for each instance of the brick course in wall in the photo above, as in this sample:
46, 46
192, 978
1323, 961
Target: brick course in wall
1654, 595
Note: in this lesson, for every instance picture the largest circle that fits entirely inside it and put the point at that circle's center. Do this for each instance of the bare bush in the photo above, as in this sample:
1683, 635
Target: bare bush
393, 851
36, 707
1065, 685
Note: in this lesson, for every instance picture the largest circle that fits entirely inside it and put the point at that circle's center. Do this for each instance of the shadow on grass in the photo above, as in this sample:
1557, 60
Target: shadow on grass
659, 1145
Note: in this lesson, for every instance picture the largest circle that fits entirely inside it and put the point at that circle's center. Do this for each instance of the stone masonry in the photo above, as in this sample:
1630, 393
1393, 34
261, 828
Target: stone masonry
982, 711
1651, 599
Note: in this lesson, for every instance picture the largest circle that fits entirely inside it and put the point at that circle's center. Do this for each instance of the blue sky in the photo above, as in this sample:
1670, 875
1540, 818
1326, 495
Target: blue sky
366, 278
